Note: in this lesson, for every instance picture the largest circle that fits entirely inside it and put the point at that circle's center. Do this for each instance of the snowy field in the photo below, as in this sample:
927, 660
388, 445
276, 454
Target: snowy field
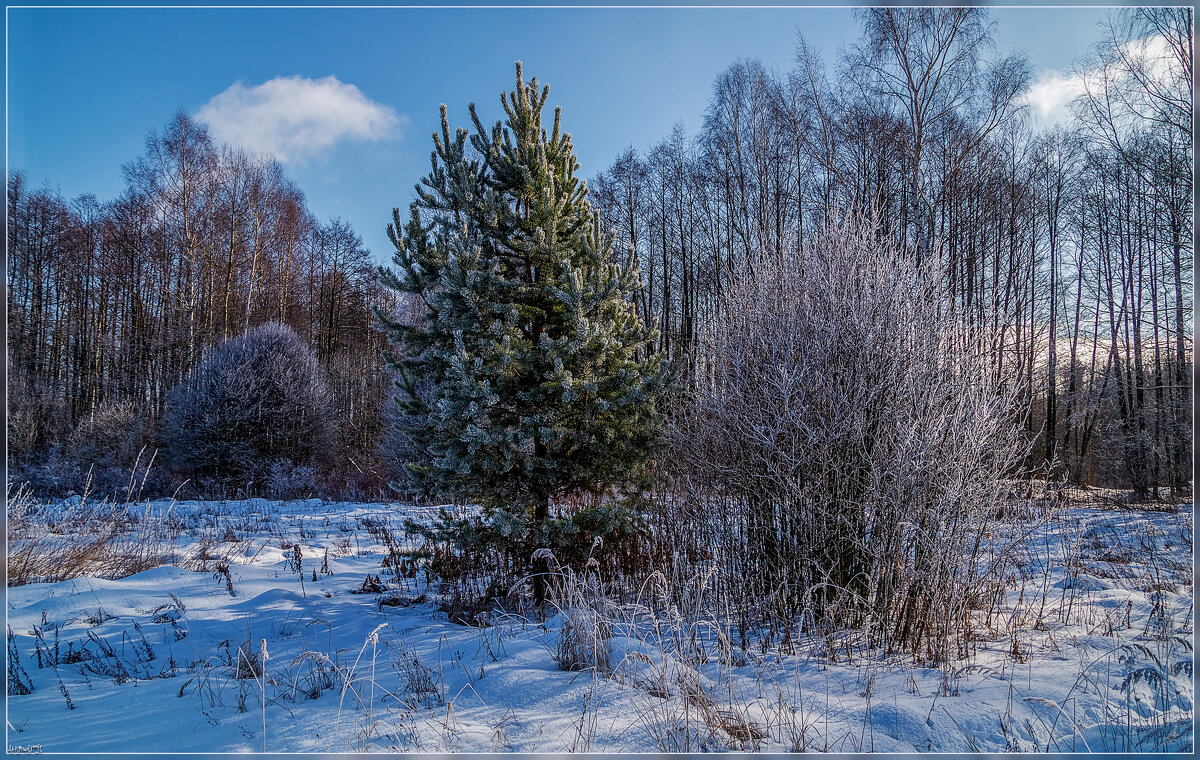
238, 644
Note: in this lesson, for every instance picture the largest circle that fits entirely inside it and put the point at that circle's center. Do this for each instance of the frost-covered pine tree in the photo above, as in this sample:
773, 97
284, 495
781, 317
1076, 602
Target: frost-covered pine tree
522, 376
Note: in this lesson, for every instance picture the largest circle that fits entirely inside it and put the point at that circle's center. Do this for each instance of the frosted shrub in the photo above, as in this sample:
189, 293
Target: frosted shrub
111, 435
851, 443
290, 481
103, 456
54, 474
108, 449
252, 402
35, 419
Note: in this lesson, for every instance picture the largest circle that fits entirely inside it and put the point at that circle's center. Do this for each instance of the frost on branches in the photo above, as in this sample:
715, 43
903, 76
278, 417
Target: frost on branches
849, 434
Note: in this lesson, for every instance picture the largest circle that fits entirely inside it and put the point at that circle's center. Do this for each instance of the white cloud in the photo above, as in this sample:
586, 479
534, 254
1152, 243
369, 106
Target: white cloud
295, 118
1052, 93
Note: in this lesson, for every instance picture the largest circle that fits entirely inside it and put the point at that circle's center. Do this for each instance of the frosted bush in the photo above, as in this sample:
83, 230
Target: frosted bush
251, 402
851, 441
110, 435
291, 481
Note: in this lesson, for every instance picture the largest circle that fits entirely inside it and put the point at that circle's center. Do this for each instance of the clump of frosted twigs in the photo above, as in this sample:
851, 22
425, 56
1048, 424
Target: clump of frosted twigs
842, 457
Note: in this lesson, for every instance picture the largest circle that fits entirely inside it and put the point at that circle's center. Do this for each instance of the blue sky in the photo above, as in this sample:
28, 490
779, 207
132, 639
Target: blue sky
85, 86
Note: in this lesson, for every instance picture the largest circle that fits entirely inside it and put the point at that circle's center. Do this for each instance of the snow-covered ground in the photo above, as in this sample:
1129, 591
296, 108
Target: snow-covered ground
1092, 651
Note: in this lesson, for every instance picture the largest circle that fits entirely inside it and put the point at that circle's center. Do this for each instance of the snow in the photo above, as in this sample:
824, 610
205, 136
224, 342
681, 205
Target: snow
1092, 650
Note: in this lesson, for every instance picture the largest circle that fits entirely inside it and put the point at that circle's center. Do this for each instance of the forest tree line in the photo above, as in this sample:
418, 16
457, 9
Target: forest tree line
1067, 250
111, 304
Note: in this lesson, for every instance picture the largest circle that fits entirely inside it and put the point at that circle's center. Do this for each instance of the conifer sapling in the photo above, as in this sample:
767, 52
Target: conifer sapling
522, 377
